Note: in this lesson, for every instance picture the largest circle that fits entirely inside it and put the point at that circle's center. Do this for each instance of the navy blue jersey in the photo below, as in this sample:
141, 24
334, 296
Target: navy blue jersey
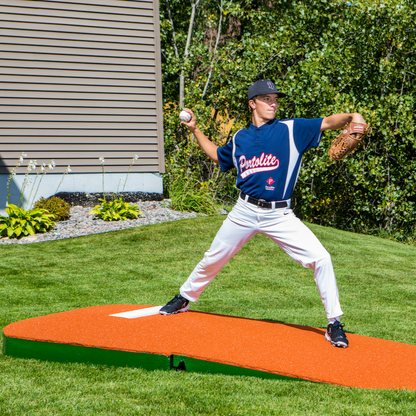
268, 158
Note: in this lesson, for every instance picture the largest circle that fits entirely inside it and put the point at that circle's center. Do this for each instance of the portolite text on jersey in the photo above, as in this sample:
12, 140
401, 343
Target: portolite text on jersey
257, 164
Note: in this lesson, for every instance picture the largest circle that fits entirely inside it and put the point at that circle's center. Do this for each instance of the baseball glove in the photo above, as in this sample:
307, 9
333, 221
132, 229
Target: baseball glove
346, 142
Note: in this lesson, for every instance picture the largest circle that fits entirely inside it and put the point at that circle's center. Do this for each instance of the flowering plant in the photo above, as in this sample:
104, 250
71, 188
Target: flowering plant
20, 222
117, 209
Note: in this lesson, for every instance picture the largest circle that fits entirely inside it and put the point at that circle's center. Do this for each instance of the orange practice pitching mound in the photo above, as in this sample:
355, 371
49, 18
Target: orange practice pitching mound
210, 343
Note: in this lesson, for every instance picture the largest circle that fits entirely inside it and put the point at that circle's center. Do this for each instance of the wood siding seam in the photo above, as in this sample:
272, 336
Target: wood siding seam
82, 20
130, 5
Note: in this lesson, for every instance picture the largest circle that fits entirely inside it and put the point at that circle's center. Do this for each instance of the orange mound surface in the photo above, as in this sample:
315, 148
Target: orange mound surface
288, 350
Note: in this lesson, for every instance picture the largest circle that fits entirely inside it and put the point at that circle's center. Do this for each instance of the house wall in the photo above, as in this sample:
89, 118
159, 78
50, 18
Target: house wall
80, 80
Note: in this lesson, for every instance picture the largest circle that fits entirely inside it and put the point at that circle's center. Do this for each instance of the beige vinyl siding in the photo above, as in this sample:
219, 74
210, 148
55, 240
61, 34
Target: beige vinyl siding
81, 79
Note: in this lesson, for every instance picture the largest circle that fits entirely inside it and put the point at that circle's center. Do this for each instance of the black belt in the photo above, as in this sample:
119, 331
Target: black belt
263, 203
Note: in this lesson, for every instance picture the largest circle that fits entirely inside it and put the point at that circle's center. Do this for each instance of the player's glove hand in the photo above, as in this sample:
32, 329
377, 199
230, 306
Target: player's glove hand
348, 140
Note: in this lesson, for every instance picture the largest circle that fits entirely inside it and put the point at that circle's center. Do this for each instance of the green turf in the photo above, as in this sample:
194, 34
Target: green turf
147, 265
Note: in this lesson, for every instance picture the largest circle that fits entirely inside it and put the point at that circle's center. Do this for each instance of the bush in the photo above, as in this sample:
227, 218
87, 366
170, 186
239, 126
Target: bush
191, 195
55, 206
360, 60
21, 223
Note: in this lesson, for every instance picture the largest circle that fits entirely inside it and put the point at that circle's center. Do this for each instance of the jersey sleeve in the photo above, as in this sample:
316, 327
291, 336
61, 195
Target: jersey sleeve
225, 156
307, 133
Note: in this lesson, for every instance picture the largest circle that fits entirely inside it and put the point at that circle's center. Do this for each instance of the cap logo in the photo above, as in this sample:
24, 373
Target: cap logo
271, 85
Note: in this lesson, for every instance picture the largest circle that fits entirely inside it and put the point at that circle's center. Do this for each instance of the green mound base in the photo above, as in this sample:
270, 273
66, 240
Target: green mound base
63, 353
138, 336
209, 367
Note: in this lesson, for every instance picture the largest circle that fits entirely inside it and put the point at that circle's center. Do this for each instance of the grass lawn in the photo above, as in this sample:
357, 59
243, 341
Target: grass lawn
147, 265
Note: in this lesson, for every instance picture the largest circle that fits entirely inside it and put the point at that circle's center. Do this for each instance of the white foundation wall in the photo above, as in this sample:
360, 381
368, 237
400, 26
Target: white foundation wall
74, 182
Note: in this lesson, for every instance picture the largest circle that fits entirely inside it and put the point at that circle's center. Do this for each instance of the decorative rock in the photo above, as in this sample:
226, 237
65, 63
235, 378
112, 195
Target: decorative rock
92, 199
82, 223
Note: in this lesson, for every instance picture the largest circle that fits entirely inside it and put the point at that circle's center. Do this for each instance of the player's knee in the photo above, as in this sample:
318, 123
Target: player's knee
220, 256
211, 262
319, 258
323, 258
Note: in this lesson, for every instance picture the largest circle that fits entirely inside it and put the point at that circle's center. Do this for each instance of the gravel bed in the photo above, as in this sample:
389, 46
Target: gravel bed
82, 223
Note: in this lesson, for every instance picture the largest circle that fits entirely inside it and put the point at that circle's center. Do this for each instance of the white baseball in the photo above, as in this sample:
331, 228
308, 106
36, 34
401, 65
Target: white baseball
184, 116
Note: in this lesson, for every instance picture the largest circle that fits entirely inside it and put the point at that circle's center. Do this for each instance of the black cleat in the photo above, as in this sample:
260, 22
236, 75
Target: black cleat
336, 335
176, 305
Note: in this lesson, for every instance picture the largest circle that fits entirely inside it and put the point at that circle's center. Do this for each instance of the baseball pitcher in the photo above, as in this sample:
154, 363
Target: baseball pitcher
267, 157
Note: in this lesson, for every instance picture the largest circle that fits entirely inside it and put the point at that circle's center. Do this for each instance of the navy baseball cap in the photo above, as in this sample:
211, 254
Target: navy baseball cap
262, 87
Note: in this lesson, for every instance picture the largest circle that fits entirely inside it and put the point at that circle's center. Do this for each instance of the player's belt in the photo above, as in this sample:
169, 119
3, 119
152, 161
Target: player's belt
263, 203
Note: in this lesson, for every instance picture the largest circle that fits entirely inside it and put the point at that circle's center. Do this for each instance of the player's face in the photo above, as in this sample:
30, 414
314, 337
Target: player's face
266, 106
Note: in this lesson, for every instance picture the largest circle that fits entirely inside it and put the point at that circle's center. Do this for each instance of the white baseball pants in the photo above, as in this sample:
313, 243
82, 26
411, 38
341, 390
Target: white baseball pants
286, 230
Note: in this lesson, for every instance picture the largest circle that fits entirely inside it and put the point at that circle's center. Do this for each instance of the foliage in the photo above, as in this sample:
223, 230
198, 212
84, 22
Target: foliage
189, 195
115, 210
55, 206
21, 223
329, 57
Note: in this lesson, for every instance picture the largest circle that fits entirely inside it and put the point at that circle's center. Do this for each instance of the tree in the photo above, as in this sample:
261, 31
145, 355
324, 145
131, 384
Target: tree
329, 57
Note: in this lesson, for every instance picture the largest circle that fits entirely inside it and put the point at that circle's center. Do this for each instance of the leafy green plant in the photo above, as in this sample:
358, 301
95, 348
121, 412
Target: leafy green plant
21, 223
56, 206
116, 210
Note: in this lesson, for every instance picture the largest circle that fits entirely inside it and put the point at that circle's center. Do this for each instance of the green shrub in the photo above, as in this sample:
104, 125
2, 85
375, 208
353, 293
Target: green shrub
115, 210
371, 72
191, 195
21, 223
55, 206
